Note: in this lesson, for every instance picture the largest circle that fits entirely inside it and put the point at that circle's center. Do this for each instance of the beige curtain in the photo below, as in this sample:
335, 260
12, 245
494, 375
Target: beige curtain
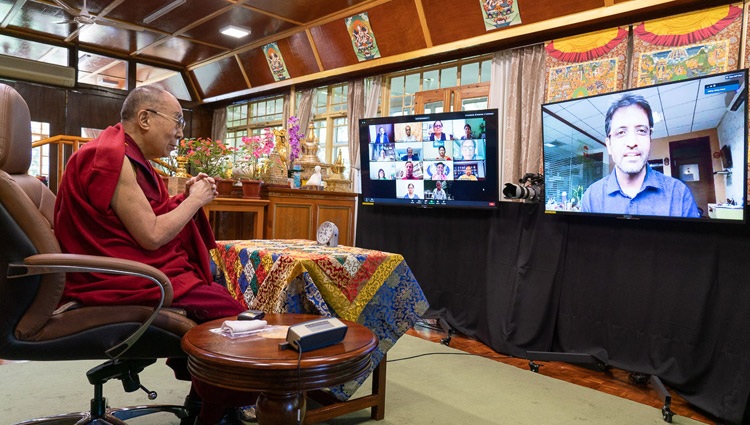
286, 110
355, 105
522, 93
304, 109
499, 86
219, 124
373, 96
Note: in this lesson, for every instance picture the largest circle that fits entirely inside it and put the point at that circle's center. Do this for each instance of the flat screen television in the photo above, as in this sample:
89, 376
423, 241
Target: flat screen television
438, 160
603, 155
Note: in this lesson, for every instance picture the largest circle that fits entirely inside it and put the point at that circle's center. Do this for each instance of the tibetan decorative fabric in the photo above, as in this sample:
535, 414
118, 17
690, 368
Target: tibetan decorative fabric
586, 47
586, 65
374, 288
688, 45
688, 28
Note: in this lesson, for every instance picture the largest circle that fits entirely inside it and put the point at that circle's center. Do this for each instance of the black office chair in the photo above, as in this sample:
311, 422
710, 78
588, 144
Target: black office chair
32, 275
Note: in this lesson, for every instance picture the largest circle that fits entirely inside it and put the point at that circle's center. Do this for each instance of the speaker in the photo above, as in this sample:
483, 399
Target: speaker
314, 334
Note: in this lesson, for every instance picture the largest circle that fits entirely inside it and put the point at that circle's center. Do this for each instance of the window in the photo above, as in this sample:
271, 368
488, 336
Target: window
266, 112
250, 118
102, 71
331, 123
403, 85
33, 50
166, 79
39, 156
237, 115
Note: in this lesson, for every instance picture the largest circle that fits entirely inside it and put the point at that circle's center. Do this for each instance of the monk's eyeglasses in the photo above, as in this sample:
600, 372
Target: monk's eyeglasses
179, 121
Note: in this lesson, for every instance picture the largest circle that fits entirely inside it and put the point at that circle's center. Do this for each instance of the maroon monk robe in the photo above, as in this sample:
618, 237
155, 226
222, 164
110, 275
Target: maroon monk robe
86, 224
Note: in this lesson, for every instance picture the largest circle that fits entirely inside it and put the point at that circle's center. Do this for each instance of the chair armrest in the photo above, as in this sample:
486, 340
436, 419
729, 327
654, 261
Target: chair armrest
78, 263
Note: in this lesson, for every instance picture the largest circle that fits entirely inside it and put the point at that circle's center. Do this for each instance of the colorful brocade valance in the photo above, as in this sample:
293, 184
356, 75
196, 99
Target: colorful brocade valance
688, 28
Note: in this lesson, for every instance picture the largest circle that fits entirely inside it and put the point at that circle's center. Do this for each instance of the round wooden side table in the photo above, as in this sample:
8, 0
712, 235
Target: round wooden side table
257, 364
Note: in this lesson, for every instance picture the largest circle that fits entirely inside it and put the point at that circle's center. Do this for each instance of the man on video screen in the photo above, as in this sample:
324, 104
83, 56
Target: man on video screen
633, 187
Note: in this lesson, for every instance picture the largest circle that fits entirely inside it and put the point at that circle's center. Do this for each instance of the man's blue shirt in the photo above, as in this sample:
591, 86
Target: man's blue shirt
659, 195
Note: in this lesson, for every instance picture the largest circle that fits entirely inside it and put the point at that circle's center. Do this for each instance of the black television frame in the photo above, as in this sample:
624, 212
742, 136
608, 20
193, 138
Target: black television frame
480, 194
729, 87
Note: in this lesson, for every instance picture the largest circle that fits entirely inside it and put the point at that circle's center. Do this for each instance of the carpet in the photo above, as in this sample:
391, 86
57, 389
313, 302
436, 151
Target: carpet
444, 388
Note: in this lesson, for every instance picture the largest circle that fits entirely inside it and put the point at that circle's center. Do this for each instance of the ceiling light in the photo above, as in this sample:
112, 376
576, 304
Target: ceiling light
235, 32
163, 11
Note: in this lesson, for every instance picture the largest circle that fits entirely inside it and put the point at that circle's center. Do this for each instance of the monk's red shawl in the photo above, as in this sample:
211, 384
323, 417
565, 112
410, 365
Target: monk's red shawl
86, 224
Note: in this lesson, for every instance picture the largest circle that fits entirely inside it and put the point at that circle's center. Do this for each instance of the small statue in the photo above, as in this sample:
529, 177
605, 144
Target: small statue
281, 146
310, 146
338, 167
315, 179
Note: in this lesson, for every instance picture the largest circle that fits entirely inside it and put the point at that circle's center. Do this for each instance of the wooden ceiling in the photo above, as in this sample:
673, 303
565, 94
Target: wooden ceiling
311, 35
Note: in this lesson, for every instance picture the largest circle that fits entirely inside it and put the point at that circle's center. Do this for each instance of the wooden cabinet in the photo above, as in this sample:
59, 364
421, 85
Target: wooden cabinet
237, 218
297, 213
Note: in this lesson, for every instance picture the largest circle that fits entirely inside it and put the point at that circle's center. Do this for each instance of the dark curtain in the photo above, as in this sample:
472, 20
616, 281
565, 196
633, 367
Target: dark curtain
658, 297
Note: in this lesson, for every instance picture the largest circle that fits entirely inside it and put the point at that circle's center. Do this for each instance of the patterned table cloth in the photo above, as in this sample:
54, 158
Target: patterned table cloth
374, 288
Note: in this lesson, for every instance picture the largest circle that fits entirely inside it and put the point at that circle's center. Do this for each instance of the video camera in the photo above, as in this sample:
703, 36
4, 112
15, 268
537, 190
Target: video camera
531, 188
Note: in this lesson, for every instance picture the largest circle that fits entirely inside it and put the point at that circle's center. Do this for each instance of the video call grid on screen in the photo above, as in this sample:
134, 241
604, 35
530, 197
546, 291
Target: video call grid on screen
698, 137
433, 160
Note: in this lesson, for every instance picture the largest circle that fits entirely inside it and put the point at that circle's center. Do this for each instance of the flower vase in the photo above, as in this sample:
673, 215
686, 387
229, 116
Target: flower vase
224, 187
251, 189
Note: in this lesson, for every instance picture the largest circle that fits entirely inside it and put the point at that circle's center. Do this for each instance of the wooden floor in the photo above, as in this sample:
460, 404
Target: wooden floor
611, 381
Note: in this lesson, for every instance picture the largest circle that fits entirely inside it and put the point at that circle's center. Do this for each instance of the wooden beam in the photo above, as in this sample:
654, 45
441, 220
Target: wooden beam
314, 49
423, 22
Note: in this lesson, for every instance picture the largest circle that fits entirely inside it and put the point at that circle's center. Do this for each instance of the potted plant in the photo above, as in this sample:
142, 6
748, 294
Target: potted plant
211, 157
248, 166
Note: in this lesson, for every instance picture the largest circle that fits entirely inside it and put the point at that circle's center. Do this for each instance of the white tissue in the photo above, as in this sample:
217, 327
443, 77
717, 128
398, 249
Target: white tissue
242, 326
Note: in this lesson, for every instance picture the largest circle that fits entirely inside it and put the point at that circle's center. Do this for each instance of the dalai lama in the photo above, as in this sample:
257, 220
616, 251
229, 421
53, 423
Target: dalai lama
111, 202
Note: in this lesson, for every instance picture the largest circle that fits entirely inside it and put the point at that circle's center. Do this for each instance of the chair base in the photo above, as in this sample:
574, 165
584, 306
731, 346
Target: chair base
112, 416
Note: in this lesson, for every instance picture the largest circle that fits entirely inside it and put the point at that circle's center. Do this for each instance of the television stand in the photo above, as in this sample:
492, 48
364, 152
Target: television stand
643, 379
433, 319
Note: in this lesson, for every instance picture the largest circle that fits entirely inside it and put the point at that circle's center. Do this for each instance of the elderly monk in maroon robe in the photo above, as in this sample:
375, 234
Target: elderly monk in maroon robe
112, 202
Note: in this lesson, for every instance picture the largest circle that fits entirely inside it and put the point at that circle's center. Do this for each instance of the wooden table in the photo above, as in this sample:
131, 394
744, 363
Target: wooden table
257, 364
238, 205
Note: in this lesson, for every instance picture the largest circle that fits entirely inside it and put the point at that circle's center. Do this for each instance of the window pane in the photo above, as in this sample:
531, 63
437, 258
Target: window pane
266, 112
321, 101
486, 71
430, 81
449, 77
412, 84
338, 98
234, 138
474, 103
237, 116
166, 79
39, 156
396, 106
27, 49
470, 73
342, 131
397, 86
322, 134
102, 71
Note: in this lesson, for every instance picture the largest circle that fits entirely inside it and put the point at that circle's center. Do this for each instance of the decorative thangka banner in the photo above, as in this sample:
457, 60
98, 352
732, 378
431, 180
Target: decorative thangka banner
682, 62
275, 61
586, 65
363, 38
499, 13
687, 45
